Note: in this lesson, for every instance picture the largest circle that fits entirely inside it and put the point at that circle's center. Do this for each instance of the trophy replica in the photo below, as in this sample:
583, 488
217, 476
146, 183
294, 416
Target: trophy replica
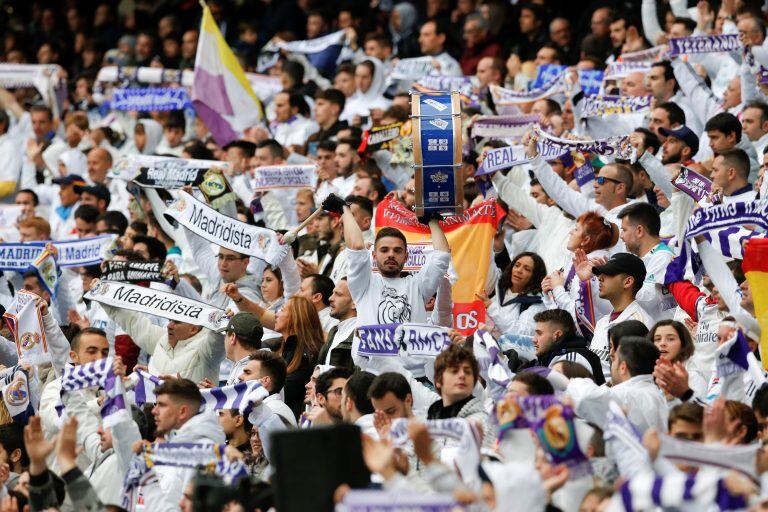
436, 120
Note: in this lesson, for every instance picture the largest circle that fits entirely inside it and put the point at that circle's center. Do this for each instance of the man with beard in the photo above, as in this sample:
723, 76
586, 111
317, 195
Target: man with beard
337, 350
346, 161
388, 297
640, 225
328, 389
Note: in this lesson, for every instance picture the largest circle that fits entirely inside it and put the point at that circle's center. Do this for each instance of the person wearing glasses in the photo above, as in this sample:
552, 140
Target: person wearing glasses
612, 186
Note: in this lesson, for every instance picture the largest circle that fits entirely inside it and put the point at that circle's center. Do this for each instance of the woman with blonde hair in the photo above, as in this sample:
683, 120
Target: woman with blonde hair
299, 324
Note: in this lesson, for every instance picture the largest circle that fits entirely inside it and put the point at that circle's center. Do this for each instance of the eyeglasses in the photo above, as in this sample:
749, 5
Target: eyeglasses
602, 179
229, 258
335, 391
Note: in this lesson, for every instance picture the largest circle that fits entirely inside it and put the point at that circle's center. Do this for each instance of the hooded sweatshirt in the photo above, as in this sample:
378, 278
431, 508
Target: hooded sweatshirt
361, 103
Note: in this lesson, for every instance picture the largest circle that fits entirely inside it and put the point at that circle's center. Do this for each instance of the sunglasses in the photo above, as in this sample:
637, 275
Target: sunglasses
602, 179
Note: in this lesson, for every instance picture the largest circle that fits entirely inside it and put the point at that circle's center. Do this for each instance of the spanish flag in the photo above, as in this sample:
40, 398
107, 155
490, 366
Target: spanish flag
755, 266
470, 236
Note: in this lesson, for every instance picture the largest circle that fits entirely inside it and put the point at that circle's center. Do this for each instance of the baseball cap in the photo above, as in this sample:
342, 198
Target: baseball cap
247, 327
684, 134
97, 190
70, 179
622, 263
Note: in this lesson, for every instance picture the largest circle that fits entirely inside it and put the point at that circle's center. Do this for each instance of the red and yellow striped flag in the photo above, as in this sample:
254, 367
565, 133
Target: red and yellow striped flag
755, 266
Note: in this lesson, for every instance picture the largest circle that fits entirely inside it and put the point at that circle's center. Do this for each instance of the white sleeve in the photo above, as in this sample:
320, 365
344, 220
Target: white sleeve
291, 277
570, 200
57, 343
696, 90
650, 19
359, 273
442, 314
205, 258
523, 203
590, 401
658, 173
432, 273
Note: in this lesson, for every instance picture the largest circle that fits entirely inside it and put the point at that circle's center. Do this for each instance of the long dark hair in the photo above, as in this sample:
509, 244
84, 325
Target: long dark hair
686, 341
534, 283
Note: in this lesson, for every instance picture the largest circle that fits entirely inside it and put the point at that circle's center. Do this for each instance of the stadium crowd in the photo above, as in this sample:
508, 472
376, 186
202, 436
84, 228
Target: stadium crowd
196, 281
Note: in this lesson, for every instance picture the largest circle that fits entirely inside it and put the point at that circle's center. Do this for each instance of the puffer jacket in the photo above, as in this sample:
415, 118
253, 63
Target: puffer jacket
195, 358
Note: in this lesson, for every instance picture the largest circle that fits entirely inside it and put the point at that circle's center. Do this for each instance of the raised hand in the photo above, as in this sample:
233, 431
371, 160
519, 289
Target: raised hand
66, 447
382, 423
233, 292
38, 447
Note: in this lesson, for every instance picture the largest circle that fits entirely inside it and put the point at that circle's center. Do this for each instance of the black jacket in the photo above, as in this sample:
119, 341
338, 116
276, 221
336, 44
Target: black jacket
570, 345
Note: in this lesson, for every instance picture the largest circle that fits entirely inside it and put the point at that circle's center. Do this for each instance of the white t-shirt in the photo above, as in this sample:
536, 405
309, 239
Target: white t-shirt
382, 300
601, 345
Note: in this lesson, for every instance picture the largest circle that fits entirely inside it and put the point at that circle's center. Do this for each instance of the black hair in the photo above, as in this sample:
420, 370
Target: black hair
559, 317
116, 222
725, 123
390, 232
87, 212
364, 203
274, 366
534, 283
389, 382
357, 390
762, 107
12, 439
323, 285
536, 384
639, 354
669, 73
327, 145
183, 389
334, 96
325, 379
650, 140
35, 197
275, 149
621, 330
197, 150
155, 247
738, 159
644, 214
675, 114
759, 402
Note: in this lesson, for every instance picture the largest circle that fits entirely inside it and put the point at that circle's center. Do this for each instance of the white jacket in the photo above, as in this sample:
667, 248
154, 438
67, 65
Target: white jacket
201, 428
645, 403
601, 344
195, 358
549, 220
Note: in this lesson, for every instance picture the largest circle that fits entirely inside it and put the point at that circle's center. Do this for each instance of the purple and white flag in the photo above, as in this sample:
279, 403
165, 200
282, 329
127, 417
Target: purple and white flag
464, 456
377, 340
552, 422
619, 70
241, 396
207, 456
503, 127
616, 147
99, 374
597, 106
284, 176
704, 44
649, 55
727, 215
693, 184
502, 96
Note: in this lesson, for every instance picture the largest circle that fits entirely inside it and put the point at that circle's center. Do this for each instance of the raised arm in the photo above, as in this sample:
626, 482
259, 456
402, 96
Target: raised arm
243, 303
650, 19
653, 166
694, 88
143, 333
570, 200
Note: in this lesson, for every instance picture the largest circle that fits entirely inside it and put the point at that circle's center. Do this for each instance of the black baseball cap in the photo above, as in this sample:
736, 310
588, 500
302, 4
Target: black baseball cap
70, 179
622, 263
97, 190
685, 134
247, 327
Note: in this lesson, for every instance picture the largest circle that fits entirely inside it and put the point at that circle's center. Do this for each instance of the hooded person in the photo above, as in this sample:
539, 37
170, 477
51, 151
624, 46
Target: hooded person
72, 161
371, 84
402, 24
148, 133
